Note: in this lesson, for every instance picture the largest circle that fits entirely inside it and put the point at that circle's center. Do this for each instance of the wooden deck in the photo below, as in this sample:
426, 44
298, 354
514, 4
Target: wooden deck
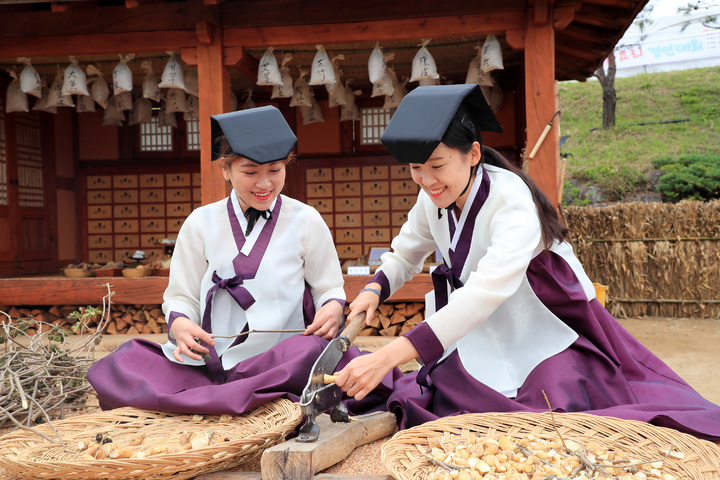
60, 290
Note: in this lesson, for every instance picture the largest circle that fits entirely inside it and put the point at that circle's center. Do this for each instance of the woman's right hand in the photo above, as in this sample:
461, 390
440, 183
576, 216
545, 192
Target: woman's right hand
367, 302
186, 334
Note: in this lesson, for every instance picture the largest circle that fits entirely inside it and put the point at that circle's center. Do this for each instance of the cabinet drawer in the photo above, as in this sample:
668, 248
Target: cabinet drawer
152, 195
98, 196
315, 190
375, 188
322, 205
178, 209
347, 189
344, 174
125, 181
152, 181
400, 171
348, 235
380, 219
399, 218
125, 211
319, 175
376, 203
99, 182
402, 202
127, 241
379, 236
196, 179
173, 225
152, 225
100, 226
99, 241
375, 172
152, 210
126, 226
177, 179
99, 256
125, 196
178, 195
403, 187
348, 220
347, 204
329, 220
352, 251
124, 254
196, 195
150, 240
99, 211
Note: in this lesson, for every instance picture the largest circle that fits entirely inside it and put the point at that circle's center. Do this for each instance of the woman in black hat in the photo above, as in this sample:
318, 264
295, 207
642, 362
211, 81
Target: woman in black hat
257, 260
513, 316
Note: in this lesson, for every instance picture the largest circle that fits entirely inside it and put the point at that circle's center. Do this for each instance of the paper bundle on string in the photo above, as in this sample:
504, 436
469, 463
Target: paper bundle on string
15, 99
385, 86
55, 96
350, 111
191, 81
492, 54
122, 75
475, 73
84, 104
268, 71
336, 90
99, 90
172, 76
74, 80
493, 96
112, 116
423, 64
165, 118
150, 86
123, 101
301, 91
393, 100
249, 102
175, 100
285, 88
30, 81
376, 65
141, 111
191, 108
312, 114
428, 81
41, 103
321, 72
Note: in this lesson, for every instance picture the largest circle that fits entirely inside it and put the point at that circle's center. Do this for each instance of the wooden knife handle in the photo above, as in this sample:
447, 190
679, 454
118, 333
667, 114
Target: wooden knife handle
354, 327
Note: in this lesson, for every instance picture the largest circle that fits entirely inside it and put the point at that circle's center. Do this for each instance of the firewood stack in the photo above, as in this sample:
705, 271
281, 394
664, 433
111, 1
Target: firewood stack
393, 319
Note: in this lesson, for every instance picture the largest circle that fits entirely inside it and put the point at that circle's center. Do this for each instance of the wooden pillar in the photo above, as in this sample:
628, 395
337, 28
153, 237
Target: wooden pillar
541, 98
214, 98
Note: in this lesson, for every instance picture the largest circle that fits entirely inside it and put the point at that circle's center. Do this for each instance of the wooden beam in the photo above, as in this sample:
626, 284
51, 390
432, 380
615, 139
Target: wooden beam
540, 12
516, 39
109, 43
204, 31
541, 105
562, 16
381, 30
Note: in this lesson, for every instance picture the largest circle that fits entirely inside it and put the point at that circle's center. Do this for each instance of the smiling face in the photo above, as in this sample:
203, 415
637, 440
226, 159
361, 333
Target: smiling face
256, 185
445, 174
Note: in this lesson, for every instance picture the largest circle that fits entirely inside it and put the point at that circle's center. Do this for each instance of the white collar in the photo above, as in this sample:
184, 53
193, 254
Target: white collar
460, 223
250, 239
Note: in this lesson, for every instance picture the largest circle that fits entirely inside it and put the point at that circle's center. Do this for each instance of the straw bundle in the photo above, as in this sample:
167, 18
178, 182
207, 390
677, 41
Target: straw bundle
657, 259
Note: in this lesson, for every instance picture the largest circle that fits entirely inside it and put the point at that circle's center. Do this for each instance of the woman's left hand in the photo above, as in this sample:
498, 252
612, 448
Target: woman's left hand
363, 374
327, 321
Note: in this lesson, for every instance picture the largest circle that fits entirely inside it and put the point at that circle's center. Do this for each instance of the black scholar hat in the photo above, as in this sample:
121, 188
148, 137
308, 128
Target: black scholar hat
259, 134
420, 122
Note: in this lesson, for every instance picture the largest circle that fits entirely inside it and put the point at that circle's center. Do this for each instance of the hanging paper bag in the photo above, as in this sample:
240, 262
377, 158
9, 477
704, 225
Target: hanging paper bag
376, 65
85, 103
394, 99
428, 81
492, 54
322, 71
191, 108
30, 81
123, 101
99, 90
423, 65
268, 71
172, 76
165, 118
301, 91
111, 115
285, 89
312, 114
41, 103
191, 81
337, 98
150, 87
175, 100
74, 80
475, 73
122, 75
249, 102
350, 110
15, 99
56, 97
141, 112
385, 87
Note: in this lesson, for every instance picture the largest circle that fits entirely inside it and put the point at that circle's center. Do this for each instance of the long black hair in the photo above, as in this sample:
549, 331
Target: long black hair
461, 134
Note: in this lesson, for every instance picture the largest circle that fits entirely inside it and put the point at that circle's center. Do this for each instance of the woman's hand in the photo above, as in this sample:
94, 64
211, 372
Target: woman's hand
327, 321
365, 302
185, 332
364, 373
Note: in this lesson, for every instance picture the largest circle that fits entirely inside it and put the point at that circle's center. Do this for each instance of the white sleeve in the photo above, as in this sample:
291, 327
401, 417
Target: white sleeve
515, 233
323, 272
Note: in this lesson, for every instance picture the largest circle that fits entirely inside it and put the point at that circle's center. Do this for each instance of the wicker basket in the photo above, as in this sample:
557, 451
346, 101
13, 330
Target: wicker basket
402, 457
78, 273
239, 438
137, 272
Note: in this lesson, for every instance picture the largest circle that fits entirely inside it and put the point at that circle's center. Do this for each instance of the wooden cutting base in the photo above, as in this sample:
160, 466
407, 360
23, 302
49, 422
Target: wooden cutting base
301, 461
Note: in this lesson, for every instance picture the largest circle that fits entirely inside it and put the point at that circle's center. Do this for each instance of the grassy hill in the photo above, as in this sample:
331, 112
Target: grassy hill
658, 115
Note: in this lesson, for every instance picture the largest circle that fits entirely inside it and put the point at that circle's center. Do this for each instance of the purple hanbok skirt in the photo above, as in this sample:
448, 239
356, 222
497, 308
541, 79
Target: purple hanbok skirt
605, 372
137, 374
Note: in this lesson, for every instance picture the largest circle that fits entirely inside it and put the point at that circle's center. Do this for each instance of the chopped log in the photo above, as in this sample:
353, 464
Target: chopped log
397, 318
386, 309
384, 321
111, 329
375, 322
368, 332
138, 316
55, 311
132, 330
157, 312
390, 331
